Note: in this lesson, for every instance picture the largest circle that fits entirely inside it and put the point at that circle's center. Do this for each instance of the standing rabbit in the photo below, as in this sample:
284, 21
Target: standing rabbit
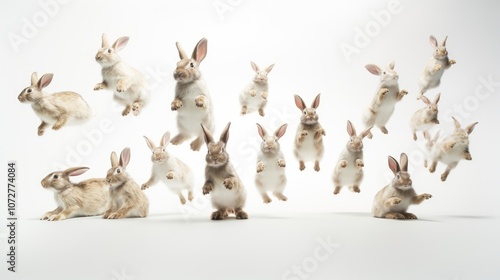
254, 96
55, 109
431, 77
129, 86
192, 100
349, 169
429, 146
271, 165
452, 149
393, 200
221, 181
425, 118
86, 198
384, 101
169, 169
309, 137
127, 199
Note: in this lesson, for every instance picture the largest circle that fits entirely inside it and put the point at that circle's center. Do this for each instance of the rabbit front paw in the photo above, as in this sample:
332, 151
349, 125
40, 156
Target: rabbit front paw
382, 92
360, 163
229, 183
170, 175
176, 104
319, 133
200, 101
264, 95
437, 67
144, 186
343, 163
281, 163
452, 61
303, 135
207, 188
121, 86
253, 93
395, 201
260, 167
100, 86
116, 215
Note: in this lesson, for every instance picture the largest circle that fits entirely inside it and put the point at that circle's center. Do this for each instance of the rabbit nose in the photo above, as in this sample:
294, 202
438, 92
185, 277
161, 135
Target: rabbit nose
180, 74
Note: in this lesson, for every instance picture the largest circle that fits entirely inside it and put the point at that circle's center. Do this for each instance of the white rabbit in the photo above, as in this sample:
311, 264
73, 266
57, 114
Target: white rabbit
169, 169
86, 198
254, 95
271, 164
452, 149
429, 146
349, 169
57, 109
431, 77
425, 118
309, 136
384, 101
392, 201
192, 100
129, 86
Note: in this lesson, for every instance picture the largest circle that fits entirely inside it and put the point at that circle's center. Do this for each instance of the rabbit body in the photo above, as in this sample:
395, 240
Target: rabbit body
254, 95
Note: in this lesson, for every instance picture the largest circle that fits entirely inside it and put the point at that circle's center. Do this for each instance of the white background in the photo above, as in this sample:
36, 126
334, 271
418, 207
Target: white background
455, 237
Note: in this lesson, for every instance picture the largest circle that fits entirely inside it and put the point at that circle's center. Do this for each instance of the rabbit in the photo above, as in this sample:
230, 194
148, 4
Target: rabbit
452, 149
57, 109
384, 101
127, 199
309, 137
86, 198
271, 165
254, 96
393, 200
169, 169
425, 118
192, 100
431, 77
349, 169
429, 145
226, 190
129, 86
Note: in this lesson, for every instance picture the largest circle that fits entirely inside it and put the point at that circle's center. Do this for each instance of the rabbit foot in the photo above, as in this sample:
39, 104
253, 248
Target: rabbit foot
253, 93
241, 215
355, 189
59, 124
437, 67
229, 183
116, 215
360, 163
337, 190
100, 86
207, 188
182, 199
176, 104
280, 196
170, 175
200, 101
319, 133
384, 130
57, 217
316, 166
264, 95
196, 144
343, 163
266, 199
260, 167
452, 61
410, 216
190, 196
397, 216
178, 139
467, 155
261, 112
302, 166
136, 108
244, 110
41, 128
219, 215
444, 176
144, 186
120, 86
281, 163
126, 111
382, 92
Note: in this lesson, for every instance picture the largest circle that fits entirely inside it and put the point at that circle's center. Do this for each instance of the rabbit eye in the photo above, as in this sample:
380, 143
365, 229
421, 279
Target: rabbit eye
384, 73
109, 50
398, 177
56, 177
305, 113
118, 171
29, 90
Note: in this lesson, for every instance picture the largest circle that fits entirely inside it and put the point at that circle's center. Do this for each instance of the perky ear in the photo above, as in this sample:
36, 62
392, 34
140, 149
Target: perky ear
200, 51
315, 103
392, 64
182, 53
299, 102
366, 132
224, 137
34, 78
281, 131
269, 68
374, 69
207, 134
457, 124
125, 157
403, 159
436, 98
254, 66
433, 41
165, 139
425, 100
120, 43
470, 127
444, 41
114, 159
350, 129
105, 42
427, 136
262, 131
45, 80
150, 143
393, 165
75, 171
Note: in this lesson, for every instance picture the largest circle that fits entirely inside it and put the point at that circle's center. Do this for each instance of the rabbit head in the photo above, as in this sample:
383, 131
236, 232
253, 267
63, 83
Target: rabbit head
107, 56
355, 143
270, 143
432, 108
430, 141
34, 92
117, 175
187, 68
216, 155
387, 76
261, 76
309, 115
462, 135
159, 153
401, 179
59, 180
440, 51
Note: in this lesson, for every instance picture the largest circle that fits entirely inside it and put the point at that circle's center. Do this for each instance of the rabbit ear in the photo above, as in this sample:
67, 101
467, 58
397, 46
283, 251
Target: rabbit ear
150, 143
254, 66
75, 171
34, 78
281, 131
365, 132
125, 157
114, 159
200, 51
374, 69
444, 41
262, 131
269, 68
225, 134
436, 98
299, 102
393, 165
350, 129
427, 136
392, 64
120, 43
425, 100
45, 80
182, 53
404, 162
165, 139
207, 134
433, 41
315, 103
436, 137
457, 124
105, 42
470, 127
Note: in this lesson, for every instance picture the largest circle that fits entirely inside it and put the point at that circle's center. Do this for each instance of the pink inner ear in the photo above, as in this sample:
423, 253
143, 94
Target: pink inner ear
261, 131
374, 69
299, 102
393, 165
78, 172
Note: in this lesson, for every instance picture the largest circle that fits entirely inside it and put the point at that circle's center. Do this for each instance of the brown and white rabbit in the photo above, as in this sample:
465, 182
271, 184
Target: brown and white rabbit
452, 149
384, 101
192, 100
86, 198
129, 86
127, 199
309, 136
349, 169
226, 190
425, 118
169, 170
254, 95
55, 109
271, 165
431, 77
429, 145
393, 200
